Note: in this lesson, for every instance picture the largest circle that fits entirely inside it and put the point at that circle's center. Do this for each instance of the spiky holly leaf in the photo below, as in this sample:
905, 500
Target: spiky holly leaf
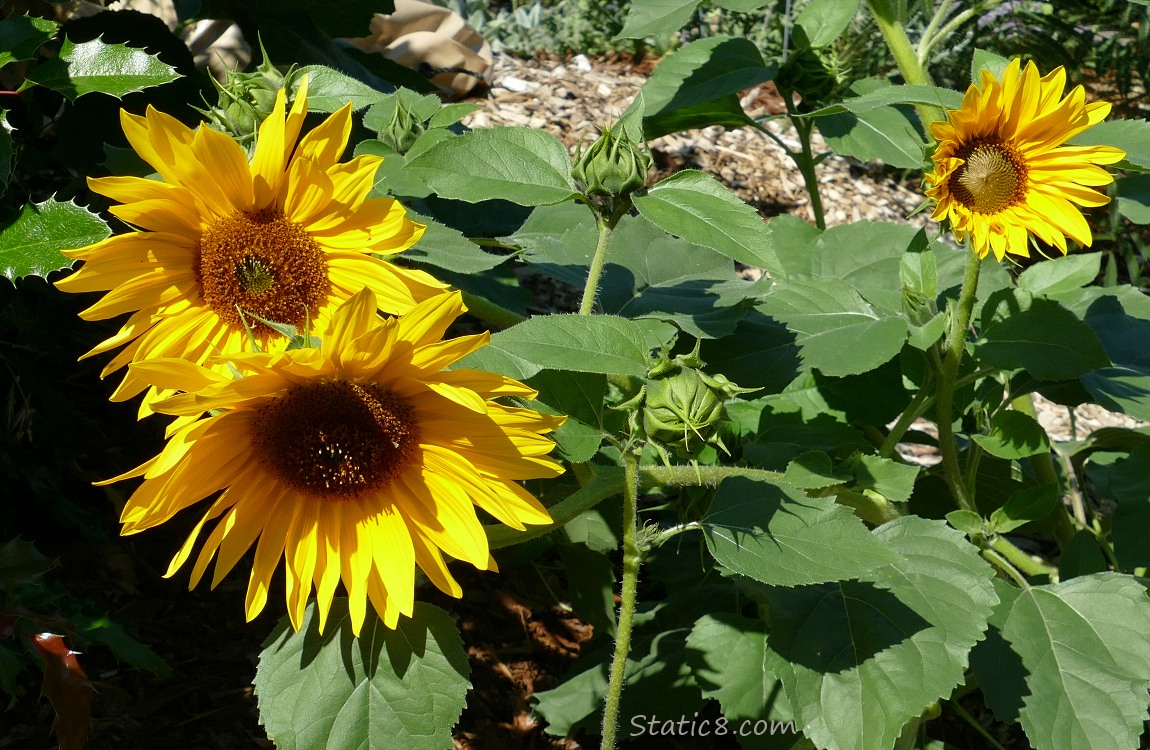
98, 67
31, 245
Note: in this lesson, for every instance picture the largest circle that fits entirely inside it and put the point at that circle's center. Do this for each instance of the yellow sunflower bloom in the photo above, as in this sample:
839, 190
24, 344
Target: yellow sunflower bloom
1002, 172
285, 237
358, 461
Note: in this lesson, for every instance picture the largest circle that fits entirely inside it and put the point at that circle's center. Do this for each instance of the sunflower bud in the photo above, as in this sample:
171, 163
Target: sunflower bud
613, 165
811, 74
403, 127
683, 406
246, 99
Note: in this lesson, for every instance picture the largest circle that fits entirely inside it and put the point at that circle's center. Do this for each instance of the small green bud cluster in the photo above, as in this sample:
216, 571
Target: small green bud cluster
683, 406
613, 165
815, 74
403, 127
246, 100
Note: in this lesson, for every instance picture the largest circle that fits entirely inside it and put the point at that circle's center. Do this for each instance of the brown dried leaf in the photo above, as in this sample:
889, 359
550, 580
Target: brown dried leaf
68, 689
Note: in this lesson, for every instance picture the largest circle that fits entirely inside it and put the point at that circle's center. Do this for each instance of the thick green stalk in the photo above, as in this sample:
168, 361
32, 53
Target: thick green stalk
806, 164
605, 224
700, 476
631, 557
955, 348
489, 312
904, 54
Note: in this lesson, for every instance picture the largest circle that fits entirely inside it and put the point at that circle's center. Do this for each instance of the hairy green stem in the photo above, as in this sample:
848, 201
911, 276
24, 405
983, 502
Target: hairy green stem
631, 557
1004, 565
605, 225
700, 476
912, 412
1020, 559
904, 54
489, 312
944, 399
805, 160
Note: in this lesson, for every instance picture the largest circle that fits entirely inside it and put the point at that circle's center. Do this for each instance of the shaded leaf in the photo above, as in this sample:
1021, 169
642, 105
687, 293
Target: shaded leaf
445, 247
1024, 506
824, 20
884, 648
1046, 340
656, 17
21, 36
779, 536
404, 687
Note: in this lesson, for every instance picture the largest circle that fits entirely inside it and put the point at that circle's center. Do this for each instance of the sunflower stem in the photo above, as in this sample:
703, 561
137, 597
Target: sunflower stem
605, 222
886, 16
489, 312
947, 377
701, 476
631, 556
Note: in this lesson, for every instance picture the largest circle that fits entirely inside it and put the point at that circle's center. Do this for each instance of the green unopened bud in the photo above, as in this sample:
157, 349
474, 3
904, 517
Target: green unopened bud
811, 74
683, 406
403, 127
246, 99
613, 165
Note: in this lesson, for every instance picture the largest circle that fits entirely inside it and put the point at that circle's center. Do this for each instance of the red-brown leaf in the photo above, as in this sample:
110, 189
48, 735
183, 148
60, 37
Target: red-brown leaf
67, 687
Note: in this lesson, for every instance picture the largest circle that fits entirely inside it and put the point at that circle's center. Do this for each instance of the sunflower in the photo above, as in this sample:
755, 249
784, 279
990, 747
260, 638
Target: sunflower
358, 460
1002, 172
226, 243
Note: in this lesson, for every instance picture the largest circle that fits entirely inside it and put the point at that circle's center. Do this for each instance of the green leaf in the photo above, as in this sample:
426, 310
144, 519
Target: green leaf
696, 207
1024, 506
522, 165
388, 688
1058, 275
579, 396
1081, 557
812, 471
889, 95
771, 363
7, 151
96, 67
725, 112
31, 245
1130, 483
1134, 197
328, 90
824, 20
590, 579
966, 521
779, 536
1046, 340
892, 480
885, 133
1132, 136
732, 664
21, 36
656, 17
584, 343
444, 247
884, 648
1120, 319
837, 331
986, 60
1014, 434
21, 565
705, 71
1085, 645
653, 275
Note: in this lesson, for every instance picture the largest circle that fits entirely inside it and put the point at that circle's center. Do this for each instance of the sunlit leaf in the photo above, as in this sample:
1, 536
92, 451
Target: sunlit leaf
67, 687
97, 67
31, 244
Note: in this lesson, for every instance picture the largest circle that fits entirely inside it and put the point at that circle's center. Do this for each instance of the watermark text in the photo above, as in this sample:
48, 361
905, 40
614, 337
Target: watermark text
693, 726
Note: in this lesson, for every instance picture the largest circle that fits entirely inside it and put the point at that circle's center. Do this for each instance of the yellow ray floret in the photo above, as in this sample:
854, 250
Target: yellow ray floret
225, 240
1001, 171
356, 462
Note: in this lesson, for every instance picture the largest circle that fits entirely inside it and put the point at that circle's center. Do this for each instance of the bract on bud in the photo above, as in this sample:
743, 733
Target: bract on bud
683, 406
403, 128
613, 165
246, 99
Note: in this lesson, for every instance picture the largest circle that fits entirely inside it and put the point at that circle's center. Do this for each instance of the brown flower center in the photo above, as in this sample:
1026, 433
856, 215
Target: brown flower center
337, 440
264, 265
992, 179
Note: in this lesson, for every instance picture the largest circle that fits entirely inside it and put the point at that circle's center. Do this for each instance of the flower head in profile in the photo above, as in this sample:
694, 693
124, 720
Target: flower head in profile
225, 241
356, 461
1001, 171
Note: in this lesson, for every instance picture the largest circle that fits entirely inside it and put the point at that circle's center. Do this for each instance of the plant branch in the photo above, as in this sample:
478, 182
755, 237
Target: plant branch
631, 557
